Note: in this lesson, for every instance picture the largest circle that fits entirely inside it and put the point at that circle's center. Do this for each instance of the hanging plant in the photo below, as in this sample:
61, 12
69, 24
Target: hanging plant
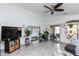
70, 25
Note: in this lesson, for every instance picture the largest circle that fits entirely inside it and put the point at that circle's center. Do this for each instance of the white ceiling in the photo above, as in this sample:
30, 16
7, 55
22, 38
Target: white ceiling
69, 8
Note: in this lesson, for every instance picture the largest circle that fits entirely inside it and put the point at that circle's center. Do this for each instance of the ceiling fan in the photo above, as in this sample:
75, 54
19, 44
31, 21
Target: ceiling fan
54, 8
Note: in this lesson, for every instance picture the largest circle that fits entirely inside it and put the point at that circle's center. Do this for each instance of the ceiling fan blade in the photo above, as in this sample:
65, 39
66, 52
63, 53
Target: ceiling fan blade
59, 9
58, 5
46, 11
52, 13
47, 7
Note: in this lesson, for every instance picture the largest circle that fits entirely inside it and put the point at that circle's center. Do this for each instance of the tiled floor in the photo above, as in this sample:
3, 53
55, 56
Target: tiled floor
48, 48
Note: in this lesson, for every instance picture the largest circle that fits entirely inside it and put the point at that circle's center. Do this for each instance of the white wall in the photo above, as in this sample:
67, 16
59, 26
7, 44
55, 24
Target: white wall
11, 15
60, 20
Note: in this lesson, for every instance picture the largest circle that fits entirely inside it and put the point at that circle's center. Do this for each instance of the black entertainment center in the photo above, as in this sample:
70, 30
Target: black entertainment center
11, 37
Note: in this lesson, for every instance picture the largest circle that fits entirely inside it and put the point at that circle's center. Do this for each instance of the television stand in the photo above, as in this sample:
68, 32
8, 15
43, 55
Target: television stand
11, 46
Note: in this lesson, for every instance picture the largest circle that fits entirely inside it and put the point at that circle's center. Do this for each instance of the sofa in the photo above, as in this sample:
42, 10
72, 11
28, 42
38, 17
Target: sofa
71, 48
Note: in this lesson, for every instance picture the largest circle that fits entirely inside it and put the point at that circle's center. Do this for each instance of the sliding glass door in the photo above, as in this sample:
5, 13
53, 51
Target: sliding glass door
72, 31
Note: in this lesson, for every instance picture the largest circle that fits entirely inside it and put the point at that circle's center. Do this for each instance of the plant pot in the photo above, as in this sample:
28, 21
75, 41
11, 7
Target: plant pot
27, 42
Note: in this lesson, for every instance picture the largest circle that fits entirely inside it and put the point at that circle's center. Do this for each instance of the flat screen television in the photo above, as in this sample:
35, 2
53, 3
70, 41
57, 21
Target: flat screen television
10, 32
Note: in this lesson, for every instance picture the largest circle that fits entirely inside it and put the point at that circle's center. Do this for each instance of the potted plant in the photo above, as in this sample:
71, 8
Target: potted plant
45, 35
27, 34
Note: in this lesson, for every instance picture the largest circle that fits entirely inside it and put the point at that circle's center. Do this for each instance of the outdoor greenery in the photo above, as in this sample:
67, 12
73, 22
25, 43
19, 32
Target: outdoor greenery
70, 25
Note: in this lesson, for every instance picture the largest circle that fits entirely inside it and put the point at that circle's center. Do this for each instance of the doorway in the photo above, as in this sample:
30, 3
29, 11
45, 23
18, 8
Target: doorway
55, 32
